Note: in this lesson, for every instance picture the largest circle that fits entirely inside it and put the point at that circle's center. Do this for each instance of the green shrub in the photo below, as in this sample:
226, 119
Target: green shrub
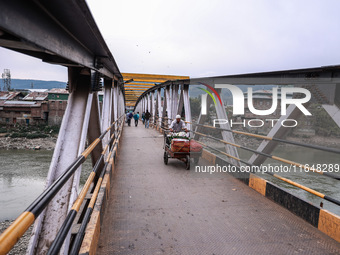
55, 129
36, 135
17, 135
3, 130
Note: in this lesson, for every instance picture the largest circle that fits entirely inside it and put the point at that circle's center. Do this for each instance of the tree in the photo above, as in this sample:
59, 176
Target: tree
6, 79
195, 105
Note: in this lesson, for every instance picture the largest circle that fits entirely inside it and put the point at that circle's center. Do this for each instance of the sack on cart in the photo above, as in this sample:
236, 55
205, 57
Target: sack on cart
180, 145
195, 146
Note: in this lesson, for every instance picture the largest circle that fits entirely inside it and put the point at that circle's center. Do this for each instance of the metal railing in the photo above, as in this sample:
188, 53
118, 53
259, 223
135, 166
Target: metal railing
164, 122
15, 231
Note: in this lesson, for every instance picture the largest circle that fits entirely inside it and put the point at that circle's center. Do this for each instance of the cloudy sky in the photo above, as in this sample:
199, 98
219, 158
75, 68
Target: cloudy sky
206, 38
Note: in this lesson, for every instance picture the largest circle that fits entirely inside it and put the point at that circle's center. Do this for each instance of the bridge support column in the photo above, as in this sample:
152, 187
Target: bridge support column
66, 151
168, 104
202, 118
94, 127
148, 103
174, 101
186, 102
278, 131
180, 101
115, 113
153, 107
107, 109
144, 103
227, 136
160, 112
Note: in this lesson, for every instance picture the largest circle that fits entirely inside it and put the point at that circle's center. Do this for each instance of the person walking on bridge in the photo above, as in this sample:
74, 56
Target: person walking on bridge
136, 118
143, 117
129, 117
147, 119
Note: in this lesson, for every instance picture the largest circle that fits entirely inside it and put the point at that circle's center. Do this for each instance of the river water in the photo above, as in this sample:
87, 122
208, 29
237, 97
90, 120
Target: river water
320, 183
22, 178
23, 174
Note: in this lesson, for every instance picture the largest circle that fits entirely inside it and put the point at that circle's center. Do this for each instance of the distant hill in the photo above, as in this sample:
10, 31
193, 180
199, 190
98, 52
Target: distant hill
37, 84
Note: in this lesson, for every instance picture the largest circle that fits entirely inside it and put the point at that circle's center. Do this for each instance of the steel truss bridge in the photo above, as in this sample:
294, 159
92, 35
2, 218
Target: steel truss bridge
69, 220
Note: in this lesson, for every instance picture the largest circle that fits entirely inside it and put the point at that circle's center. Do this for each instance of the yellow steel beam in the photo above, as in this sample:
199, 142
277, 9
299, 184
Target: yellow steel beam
149, 80
140, 83
134, 92
137, 87
137, 90
127, 76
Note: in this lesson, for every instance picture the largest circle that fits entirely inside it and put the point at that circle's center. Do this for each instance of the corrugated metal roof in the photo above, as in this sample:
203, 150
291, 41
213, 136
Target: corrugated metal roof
60, 91
19, 103
8, 95
38, 96
38, 90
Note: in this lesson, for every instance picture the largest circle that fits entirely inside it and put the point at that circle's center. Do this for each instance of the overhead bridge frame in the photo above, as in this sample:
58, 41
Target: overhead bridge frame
324, 80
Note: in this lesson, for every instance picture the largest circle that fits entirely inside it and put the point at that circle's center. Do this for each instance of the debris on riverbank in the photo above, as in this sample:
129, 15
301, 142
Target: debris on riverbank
23, 143
20, 137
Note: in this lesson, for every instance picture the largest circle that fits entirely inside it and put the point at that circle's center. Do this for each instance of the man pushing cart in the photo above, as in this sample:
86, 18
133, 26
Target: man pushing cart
177, 125
178, 145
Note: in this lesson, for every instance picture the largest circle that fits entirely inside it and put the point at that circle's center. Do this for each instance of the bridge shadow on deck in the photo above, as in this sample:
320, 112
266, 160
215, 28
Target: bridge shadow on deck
159, 209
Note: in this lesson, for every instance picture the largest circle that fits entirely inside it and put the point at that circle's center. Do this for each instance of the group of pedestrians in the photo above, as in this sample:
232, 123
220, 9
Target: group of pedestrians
131, 115
145, 118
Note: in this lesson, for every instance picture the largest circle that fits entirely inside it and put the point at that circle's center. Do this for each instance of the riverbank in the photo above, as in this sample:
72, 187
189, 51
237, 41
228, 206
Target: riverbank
21, 245
23, 143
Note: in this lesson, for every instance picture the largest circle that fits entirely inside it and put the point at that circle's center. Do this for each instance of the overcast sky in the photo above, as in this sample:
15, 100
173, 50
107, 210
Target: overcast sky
206, 38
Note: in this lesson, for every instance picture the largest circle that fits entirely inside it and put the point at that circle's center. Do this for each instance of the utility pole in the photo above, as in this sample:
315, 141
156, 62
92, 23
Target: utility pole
6, 78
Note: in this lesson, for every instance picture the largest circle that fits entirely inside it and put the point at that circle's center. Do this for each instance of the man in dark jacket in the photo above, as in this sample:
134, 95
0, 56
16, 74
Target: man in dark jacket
147, 119
129, 117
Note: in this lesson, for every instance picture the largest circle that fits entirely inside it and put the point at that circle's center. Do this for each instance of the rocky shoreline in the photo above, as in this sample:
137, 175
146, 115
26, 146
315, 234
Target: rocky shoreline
8, 143
21, 245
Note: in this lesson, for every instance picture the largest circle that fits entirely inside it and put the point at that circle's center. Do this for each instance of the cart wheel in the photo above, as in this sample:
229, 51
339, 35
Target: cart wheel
166, 158
196, 160
187, 163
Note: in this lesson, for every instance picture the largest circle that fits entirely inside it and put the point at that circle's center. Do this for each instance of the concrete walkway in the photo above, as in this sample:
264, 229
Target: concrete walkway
158, 209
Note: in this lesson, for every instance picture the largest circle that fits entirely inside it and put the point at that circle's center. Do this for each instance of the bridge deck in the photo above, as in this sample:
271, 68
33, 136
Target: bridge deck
158, 209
